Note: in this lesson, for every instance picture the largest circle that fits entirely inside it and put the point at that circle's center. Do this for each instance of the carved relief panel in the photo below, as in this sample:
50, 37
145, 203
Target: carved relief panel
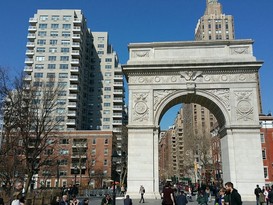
140, 111
244, 106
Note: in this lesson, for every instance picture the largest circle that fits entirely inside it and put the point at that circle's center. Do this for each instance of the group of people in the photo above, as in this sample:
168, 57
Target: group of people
170, 198
264, 195
65, 200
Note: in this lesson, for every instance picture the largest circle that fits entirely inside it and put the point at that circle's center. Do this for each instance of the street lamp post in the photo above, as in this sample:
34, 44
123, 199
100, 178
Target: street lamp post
76, 170
115, 157
58, 173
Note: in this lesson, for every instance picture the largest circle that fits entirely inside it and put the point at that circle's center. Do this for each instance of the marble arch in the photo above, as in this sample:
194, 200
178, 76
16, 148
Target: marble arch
220, 75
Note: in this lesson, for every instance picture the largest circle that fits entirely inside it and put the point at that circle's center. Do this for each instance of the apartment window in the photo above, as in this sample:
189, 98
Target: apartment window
100, 45
54, 26
64, 58
65, 42
61, 101
264, 153
100, 52
52, 58
106, 119
55, 18
37, 84
60, 110
67, 18
265, 172
40, 49
50, 75
64, 152
106, 127
62, 84
66, 34
106, 112
108, 66
49, 84
64, 141
262, 137
42, 33
63, 66
42, 25
101, 38
41, 42
38, 75
63, 75
40, 58
48, 152
107, 74
51, 66
66, 26
60, 119
106, 104
64, 50
52, 49
105, 162
107, 96
108, 59
63, 173
62, 93
54, 33
39, 66
107, 89
105, 151
106, 141
43, 17
53, 42
94, 141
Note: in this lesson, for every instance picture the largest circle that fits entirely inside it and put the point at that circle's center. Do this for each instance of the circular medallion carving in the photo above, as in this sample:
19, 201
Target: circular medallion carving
141, 80
224, 78
207, 78
140, 107
242, 77
173, 79
157, 79
244, 106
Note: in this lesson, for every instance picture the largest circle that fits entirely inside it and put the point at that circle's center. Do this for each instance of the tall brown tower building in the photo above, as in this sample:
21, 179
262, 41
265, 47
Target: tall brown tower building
214, 25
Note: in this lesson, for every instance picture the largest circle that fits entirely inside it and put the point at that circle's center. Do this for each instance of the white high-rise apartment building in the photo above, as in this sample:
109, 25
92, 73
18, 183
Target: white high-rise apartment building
60, 46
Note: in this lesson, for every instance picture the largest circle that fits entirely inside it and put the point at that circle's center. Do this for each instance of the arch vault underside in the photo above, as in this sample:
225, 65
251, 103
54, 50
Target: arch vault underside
219, 75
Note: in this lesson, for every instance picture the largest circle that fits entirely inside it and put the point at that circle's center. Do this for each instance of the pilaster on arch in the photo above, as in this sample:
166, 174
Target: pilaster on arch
216, 100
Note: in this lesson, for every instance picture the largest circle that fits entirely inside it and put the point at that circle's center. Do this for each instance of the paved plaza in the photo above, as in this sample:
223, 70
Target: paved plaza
119, 201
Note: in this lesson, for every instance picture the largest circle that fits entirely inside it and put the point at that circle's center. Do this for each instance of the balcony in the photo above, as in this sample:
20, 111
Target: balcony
76, 45
117, 107
120, 77
33, 20
31, 36
74, 70
72, 105
118, 84
75, 53
28, 69
75, 61
32, 28
73, 87
29, 61
118, 91
28, 78
76, 28
117, 114
74, 78
30, 52
76, 145
72, 96
71, 114
76, 37
76, 20
71, 122
30, 45
118, 100
117, 122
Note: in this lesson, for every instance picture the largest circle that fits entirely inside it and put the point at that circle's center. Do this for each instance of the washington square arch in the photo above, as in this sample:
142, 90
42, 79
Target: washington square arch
219, 75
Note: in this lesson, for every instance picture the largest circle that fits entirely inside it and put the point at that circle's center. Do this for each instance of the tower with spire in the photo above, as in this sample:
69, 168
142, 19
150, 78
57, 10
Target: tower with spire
214, 25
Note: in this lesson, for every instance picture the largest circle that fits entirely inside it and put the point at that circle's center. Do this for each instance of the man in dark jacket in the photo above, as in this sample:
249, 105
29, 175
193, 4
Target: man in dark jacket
270, 195
181, 199
257, 192
128, 200
232, 195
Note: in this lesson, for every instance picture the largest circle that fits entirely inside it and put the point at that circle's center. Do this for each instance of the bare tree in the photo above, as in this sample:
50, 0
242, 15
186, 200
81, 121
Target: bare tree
30, 122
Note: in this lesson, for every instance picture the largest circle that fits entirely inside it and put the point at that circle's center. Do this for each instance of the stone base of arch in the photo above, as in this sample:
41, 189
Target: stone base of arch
143, 162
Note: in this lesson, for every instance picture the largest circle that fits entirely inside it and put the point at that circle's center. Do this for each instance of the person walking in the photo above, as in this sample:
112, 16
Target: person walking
181, 198
168, 195
232, 196
202, 198
128, 200
142, 192
257, 192
220, 197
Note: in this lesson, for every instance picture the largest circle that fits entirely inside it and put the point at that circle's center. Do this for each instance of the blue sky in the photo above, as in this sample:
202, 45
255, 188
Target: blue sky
129, 21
